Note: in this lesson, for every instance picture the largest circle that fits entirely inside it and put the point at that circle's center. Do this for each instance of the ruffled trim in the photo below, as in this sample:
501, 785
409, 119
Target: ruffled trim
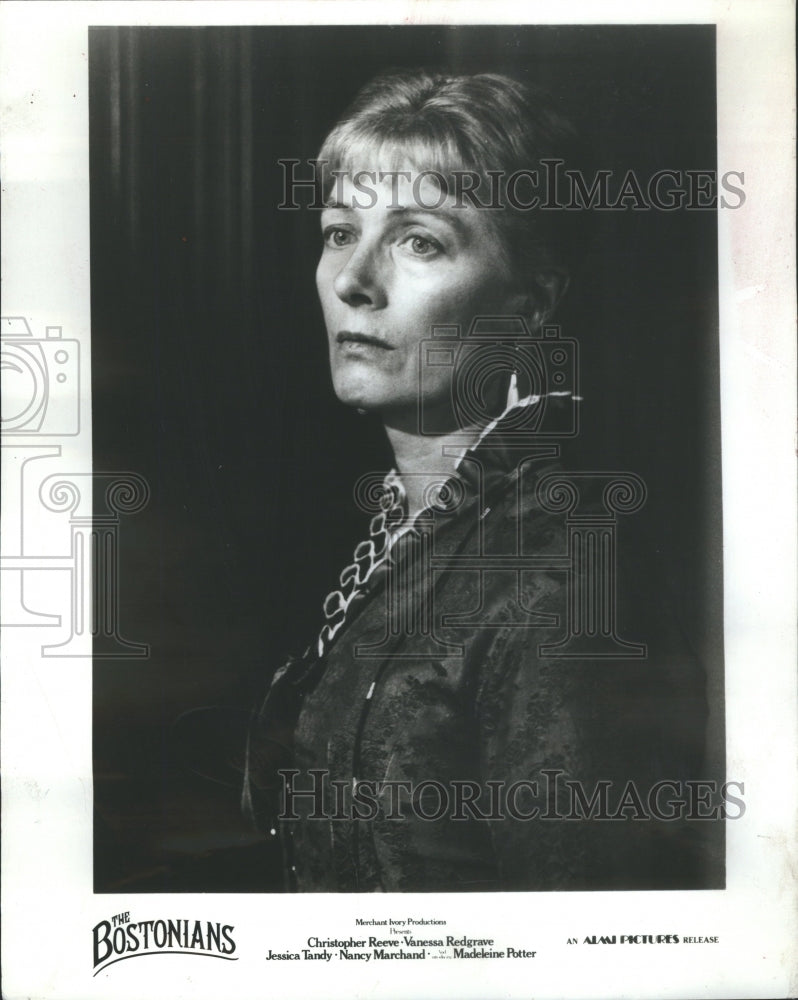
392, 521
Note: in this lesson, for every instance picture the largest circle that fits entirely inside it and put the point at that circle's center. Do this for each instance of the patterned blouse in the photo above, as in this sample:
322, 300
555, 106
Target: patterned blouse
481, 694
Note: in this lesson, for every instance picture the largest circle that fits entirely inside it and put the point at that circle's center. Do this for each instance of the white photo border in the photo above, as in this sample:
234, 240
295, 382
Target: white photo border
48, 900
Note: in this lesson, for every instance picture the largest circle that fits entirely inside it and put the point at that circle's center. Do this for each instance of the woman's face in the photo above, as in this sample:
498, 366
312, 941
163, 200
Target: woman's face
392, 267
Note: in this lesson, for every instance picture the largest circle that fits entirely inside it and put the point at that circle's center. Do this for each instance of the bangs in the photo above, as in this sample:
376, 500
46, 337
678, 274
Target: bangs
351, 149
474, 135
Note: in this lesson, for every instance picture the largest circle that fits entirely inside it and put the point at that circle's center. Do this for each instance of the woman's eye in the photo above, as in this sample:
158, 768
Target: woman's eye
423, 246
336, 237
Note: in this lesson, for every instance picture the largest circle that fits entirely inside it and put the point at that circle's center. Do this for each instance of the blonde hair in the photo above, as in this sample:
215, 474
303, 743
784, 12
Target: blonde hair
485, 124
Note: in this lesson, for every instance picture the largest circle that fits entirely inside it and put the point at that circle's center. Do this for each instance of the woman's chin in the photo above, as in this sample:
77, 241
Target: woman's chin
355, 398
361, 394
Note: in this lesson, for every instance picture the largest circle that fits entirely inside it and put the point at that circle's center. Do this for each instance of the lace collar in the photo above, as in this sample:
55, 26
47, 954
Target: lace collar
494, 460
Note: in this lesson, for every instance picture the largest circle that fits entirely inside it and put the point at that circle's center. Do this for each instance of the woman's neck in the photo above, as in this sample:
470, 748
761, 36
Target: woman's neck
422, 459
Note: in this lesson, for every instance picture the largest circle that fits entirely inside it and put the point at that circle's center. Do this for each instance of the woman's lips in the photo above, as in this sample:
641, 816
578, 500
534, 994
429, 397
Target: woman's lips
350, 338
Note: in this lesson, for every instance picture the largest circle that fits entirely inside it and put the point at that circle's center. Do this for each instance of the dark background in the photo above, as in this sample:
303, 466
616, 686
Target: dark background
210, 377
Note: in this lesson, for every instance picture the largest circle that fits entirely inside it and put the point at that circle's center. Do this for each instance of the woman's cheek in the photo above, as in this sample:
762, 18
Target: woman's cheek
461, 302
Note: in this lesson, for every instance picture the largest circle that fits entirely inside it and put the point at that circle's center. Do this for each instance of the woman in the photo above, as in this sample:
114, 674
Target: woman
441, 733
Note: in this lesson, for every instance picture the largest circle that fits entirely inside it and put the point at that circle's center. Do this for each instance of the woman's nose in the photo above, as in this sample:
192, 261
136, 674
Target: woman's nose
359, 281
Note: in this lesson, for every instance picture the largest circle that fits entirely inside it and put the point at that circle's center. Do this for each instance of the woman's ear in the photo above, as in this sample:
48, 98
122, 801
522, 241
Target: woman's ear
550, 286
538, 305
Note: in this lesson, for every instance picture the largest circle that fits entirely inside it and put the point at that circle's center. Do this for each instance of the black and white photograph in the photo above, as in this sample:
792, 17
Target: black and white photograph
389, 474
419, 360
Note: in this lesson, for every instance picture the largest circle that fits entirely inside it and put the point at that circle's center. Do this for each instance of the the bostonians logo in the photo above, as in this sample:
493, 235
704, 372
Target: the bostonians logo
120, 938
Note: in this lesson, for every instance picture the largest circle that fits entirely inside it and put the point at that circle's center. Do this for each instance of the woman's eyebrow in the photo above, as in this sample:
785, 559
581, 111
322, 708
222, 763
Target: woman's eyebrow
398, 212
443, 214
